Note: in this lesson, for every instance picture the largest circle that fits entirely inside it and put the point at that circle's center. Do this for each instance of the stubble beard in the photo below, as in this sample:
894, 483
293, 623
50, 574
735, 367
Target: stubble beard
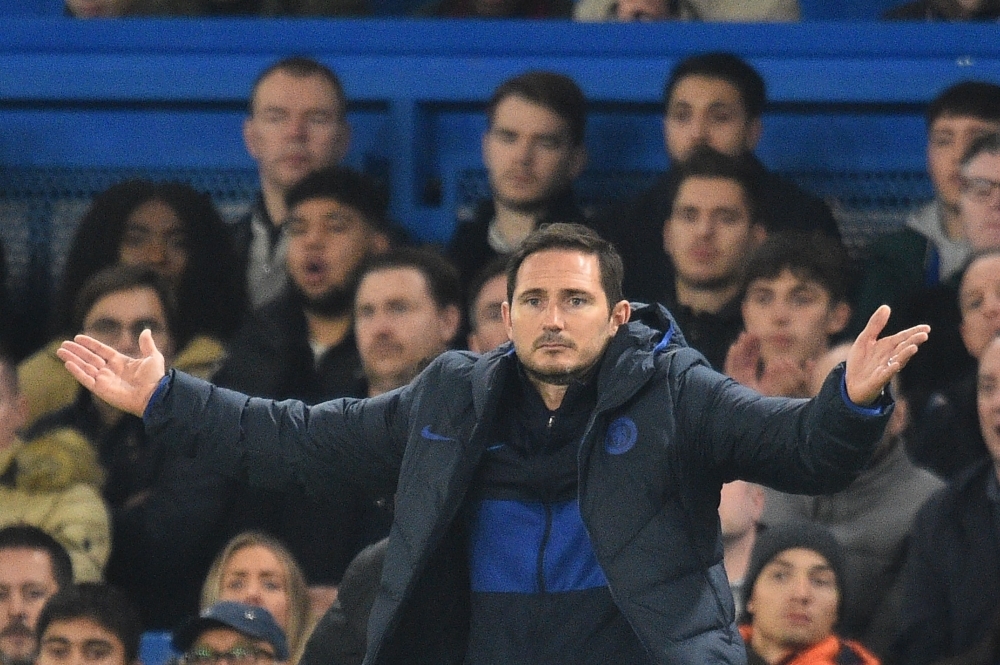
336, 302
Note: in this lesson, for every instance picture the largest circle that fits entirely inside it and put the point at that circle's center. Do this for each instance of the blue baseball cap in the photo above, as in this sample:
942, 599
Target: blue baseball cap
251, 620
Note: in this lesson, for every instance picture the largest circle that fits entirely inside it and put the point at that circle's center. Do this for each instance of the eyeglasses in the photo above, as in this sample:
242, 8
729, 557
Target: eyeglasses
111, 329
981, 189
235, 656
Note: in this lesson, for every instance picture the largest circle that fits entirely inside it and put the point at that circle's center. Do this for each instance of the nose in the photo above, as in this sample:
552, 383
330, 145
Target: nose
297, 126
553, 319
154, 253
801, 588
253, 594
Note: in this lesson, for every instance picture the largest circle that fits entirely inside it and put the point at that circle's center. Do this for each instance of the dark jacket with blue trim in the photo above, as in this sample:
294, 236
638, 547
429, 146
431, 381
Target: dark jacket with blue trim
666, 433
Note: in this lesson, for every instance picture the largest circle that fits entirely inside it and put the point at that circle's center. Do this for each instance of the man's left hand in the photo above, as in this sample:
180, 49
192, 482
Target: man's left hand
872, 362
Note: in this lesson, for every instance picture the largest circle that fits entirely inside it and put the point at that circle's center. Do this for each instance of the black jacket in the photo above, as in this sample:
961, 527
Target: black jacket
951, 582
666, 433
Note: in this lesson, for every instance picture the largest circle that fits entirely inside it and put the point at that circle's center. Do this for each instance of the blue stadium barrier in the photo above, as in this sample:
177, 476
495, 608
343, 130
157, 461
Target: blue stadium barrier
83, 103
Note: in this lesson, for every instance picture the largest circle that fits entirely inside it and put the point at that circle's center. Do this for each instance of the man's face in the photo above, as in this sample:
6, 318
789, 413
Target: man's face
979, 304
154, 236
794, 601
117, 319
979, 203
791, 317
398, 326
327, 241
223, 640
709, 234
97, 8
559, 317
80, 641
529, 154
707, 111
297, 126
740, 506
487, 321
988, 399
26, 582
948, 139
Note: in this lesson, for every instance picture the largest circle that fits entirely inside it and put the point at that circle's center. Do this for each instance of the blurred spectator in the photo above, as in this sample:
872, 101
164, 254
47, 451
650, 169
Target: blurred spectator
951, 590
52, 482
407, 311
871, 520
533, 150
255, 569
239, 633
341, 636
496, 9
177, 232
123, 8
33, 566
297, 123
708, 236
166, 509
794, 304
714, 100
704, 10
932, 247
486, 295
740, 507
946, 10
946, 434
794, 595
89, 623
302, 346
941, 383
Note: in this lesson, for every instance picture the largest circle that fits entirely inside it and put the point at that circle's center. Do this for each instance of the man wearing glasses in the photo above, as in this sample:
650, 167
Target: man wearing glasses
166, 510
231, 633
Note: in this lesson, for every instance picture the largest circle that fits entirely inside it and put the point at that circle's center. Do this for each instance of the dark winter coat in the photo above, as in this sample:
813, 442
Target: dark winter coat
667, 431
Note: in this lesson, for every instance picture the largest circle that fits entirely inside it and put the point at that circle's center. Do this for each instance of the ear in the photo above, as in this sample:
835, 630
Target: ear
963, 331
758, 234
837, 320
250, 137
666, 235
380, 243
754, 132
505, 313
450, 318
620, 313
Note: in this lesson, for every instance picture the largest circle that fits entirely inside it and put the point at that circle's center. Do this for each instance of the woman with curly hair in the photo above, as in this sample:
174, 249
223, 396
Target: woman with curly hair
173, 229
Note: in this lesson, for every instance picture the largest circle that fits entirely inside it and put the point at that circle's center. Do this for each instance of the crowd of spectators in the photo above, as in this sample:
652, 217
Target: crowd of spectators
316, 294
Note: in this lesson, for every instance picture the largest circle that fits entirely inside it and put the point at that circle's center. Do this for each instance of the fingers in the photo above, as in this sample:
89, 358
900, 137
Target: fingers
146, 344
876, 323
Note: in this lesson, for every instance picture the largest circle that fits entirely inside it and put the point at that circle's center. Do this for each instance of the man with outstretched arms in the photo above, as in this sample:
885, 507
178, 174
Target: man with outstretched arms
556, 499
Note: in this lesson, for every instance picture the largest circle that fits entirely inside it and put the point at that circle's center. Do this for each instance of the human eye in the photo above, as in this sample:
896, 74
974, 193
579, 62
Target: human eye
134, 236
274, 115
727, 216
680, 113
504, 135
804, 298
364, 311
721, 115
972, 302
294, 227
823, 580
36, 593
4, 593
321, 118
178, 241
56, 650
97, 651
986, 387
272, 584
235, 583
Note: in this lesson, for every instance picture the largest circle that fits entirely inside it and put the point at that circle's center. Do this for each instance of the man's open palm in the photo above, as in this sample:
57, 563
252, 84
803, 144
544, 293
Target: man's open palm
125, 383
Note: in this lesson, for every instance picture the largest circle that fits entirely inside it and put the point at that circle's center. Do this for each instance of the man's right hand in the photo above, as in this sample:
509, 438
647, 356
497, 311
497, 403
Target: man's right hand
125, 383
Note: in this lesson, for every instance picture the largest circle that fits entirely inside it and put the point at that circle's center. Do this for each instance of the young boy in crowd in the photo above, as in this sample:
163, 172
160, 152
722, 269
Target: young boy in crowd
794, 304
89, 622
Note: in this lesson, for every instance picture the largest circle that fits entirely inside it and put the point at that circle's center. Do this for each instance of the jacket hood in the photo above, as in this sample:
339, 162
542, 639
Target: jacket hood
55, 461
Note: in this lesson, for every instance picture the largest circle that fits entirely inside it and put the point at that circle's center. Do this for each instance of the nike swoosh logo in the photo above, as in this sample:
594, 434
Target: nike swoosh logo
432, 436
